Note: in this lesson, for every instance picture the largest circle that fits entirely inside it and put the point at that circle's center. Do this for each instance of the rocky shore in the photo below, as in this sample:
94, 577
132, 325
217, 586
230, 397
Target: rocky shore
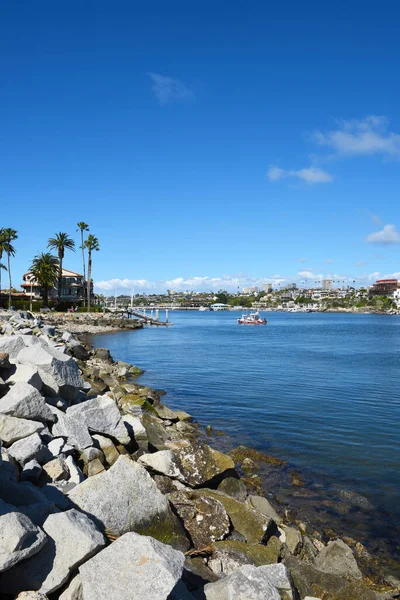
92, 323
107, 494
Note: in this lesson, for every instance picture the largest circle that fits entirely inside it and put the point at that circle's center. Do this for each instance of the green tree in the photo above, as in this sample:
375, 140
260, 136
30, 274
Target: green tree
82, 226
91, 244
7, 236
222, 296
5, 269
60, 243
45, 269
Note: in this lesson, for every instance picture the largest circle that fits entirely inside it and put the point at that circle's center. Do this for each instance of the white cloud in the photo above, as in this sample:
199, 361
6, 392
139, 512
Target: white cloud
302, 260
166, 88
309, 175
124, 284
388, 235
310, 275
361, 137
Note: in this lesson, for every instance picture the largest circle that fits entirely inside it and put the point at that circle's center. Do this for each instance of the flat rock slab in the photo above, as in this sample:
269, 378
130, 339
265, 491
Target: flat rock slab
13, 429
24, 401
337, 558
247, 583
30, 448
72, 539
11, 344
101, 415
58, 372
19, 537
230, 555
162, 462
199, 463
134, 567
28, 374
73, 428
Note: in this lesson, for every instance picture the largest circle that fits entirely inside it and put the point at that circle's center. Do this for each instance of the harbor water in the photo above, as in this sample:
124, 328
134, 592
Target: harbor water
318, 390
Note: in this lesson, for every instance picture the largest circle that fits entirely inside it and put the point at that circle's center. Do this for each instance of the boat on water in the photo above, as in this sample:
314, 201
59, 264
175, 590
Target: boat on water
252, 319
203, 308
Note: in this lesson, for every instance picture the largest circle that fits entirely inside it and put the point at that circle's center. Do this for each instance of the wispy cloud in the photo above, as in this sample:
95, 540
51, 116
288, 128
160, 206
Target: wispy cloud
361, 137
329, 261
302, 260
361, 263
111, 285
386, 236
309, 175
167, 89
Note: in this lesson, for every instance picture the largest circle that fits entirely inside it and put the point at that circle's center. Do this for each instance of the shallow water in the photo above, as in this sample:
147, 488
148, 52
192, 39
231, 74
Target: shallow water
319, 390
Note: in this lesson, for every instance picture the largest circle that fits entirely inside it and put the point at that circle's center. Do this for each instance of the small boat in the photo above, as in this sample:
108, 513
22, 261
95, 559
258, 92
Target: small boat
203, 308
252, 319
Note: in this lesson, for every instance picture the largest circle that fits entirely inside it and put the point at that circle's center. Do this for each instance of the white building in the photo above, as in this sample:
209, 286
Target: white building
267, 287
327, 284
250, 290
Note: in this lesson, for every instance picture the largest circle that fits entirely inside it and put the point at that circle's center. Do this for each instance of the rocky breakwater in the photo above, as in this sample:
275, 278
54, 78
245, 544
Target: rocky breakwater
92, 323
107, 494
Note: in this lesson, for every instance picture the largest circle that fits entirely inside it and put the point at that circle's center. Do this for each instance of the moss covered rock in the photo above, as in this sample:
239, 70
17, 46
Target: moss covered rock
230, 555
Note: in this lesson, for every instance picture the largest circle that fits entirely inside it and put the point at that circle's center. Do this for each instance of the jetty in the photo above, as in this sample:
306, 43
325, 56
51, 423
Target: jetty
150, 319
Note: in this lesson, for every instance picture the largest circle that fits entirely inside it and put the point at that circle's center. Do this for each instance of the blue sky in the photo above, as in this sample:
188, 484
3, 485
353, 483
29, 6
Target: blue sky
207, 144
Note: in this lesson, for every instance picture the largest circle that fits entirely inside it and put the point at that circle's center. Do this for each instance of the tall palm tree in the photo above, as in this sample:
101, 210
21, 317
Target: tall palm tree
44, 268
91, 244
82, 226
5, 269
60, 243
7, 236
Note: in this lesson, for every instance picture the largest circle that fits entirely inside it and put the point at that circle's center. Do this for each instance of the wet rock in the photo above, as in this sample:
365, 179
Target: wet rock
293, 539
20, 538
233, 487
144, 566
139, 505
204, 518
103, 354
13, 429
310, 581
101, 415
58, 372
24, 401
230, 555
200, 464
338, 559
72, 539
263, 506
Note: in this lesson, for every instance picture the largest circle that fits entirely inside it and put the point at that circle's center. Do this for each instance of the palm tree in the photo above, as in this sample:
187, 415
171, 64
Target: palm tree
7, 236
60, 243
82, 226
5, 269
92, 243
45, 269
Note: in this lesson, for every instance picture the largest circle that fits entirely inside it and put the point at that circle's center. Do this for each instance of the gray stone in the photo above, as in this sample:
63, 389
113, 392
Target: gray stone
55, 446
263, 506
48, 330
56, 469
293, 539
146, 569
13, 429
72, 428
31, 471
108, 449
162, 462
24, 401
75, 474
101, 415
134, 424
337, 558
28, 374
247, 583
29, 448
58, 372
72, 539
74, 590
233, 487
137, 505
67, 337
11, 344
20, 538
31, 596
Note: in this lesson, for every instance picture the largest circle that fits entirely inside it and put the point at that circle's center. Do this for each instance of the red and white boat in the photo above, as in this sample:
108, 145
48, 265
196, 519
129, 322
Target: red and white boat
252, 319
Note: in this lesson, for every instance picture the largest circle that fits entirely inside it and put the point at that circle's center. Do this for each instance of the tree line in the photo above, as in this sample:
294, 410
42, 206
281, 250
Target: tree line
47, 268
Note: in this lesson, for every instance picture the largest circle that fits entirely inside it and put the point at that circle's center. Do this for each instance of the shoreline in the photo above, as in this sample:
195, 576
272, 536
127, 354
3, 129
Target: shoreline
146, 443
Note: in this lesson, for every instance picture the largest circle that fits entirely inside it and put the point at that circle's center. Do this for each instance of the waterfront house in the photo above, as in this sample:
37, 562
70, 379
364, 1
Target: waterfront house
72, 287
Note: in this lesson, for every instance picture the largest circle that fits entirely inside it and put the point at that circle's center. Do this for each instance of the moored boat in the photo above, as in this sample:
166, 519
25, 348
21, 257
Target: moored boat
252, 319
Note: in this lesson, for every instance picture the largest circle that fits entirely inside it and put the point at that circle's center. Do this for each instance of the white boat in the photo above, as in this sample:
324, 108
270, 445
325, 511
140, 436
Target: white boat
252, 319
203, 308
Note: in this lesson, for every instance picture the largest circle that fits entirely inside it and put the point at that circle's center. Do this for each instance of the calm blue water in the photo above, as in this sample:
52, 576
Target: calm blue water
319, 390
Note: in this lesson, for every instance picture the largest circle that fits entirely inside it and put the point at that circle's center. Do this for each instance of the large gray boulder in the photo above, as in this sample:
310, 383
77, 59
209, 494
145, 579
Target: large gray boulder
13, 429
24, 401
125, 498
19, 537
134, 567
74, 590
337, 558
58, 372
11, 344
247, 583
162, 462
72, 539
73, 428
28, 374
199, 463
31, 447
101, 415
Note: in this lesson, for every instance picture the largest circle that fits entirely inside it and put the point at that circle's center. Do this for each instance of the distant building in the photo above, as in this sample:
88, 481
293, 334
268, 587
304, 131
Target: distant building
327, 284
267, 287
72, 287
384, 287
250, 290
291, 286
